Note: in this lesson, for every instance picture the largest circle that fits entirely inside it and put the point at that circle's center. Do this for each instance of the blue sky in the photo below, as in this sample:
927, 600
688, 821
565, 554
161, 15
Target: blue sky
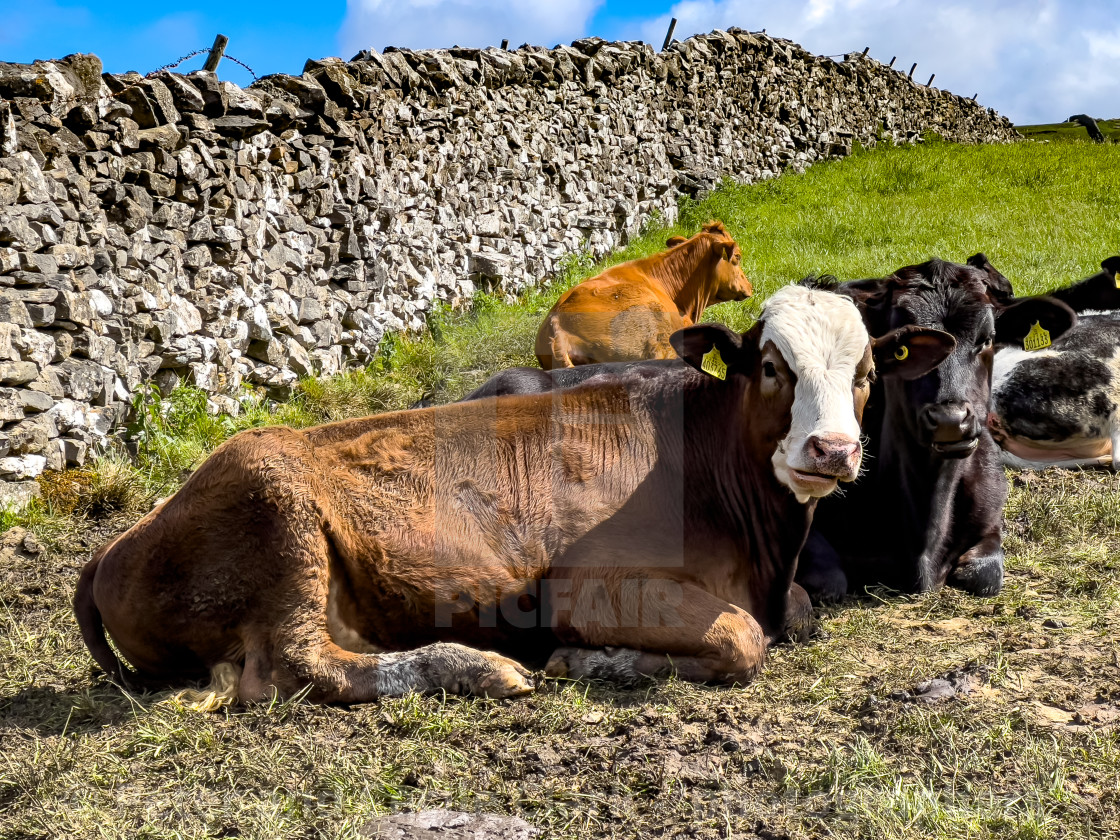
1033, 60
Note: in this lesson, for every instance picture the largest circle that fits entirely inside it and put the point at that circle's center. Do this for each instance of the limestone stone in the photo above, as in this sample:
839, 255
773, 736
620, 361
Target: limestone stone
442, 824
18, 494
17, 373
21, 467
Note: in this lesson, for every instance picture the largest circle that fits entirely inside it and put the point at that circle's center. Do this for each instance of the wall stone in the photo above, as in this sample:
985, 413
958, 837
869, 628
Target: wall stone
180, 229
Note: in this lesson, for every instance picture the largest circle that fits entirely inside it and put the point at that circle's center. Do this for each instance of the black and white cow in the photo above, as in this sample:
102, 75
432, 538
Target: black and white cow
1059, 406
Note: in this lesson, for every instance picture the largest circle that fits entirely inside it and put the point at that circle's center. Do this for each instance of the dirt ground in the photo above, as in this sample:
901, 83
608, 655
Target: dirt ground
1017, 736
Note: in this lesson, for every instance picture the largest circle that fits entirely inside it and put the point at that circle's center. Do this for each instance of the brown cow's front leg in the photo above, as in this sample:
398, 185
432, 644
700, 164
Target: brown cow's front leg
627, 666
300, 651
678, 629
339, 676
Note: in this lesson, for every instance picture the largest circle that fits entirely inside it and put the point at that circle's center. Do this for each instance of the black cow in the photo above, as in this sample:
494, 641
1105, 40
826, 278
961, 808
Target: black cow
530, 380
1058, 406
929, 508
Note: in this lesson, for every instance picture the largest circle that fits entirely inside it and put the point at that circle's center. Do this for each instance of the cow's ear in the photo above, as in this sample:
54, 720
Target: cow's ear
872, 298
998, 285
1101, 291
866, 292
674, 241
715, 350
1016, 322
910, 352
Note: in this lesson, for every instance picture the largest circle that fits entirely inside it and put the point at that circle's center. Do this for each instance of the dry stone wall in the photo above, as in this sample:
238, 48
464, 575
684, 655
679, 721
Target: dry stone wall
180, 229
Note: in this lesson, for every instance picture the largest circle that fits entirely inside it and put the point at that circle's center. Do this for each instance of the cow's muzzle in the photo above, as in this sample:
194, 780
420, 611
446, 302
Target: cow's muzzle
951, 429
825, 460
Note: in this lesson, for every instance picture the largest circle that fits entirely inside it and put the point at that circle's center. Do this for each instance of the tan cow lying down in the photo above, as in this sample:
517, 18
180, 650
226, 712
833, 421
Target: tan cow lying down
629, 311
628, 527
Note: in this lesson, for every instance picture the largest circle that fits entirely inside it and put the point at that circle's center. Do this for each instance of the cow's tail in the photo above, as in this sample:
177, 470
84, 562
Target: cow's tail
561, 358
225, 680
93, 634
93, 629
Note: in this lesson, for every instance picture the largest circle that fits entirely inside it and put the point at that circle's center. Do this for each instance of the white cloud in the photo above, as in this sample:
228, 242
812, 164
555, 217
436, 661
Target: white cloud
469, 23
1033, 60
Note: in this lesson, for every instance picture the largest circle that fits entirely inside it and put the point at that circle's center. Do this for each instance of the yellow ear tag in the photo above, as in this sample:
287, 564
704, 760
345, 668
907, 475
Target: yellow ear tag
712, 363
902, 354
1037, 338
1116, 277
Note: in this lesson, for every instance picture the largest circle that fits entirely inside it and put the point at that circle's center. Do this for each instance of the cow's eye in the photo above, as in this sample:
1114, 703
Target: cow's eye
768, 370
985, 344
863, 382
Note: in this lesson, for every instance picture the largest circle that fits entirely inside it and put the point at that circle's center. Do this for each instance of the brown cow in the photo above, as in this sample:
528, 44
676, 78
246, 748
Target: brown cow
645, 525
629, 311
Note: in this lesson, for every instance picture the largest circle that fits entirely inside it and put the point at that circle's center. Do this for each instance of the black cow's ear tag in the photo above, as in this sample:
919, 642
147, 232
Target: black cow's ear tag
902, 353
1116, 277
712, 363
1037, 338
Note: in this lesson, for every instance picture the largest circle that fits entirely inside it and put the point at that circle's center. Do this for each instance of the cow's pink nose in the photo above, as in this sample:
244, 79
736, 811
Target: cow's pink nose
833, 454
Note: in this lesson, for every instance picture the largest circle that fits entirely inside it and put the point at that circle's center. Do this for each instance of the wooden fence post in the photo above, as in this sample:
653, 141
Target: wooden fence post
505, 43
930, 82
889, 66
910, 75
669, 35
216, 53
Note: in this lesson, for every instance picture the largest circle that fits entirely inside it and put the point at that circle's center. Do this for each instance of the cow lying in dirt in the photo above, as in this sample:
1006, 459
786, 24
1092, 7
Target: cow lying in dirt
1057, 406
629, 311
934, 490
635, 527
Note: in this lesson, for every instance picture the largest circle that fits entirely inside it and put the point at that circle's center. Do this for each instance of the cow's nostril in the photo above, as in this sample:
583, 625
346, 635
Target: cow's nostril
945, 416
832, 448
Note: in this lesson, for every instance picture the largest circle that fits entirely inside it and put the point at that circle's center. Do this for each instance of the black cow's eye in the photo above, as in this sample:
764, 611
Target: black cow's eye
768, 370
985, 344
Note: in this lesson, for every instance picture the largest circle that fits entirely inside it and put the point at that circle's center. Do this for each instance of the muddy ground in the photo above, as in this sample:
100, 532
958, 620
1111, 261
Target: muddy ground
840, 737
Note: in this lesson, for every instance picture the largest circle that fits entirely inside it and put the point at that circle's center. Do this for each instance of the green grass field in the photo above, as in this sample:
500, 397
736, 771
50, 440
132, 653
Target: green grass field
825, 743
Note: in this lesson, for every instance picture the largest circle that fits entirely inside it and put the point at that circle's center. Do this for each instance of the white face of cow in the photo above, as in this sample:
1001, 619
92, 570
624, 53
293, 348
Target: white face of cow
820, 341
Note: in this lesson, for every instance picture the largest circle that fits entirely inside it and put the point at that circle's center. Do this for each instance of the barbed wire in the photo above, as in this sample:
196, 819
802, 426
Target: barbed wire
174, 64
243, 64
187, 57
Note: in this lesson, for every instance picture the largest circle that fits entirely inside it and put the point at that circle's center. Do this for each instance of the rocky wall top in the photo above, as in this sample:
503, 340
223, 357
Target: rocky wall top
179, 228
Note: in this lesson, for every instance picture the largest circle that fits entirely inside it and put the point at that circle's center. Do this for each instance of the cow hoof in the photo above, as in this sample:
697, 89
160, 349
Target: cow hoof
799, 617
982, 577
481, 673
618, 665
558, 667
504, 679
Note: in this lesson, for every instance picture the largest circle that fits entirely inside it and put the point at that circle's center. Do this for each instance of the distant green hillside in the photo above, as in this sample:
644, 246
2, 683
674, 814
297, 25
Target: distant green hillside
1069, 131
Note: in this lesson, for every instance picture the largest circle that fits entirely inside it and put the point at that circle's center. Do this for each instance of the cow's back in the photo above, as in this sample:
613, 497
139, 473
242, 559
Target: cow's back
619, 316
475, 497
1060, 404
